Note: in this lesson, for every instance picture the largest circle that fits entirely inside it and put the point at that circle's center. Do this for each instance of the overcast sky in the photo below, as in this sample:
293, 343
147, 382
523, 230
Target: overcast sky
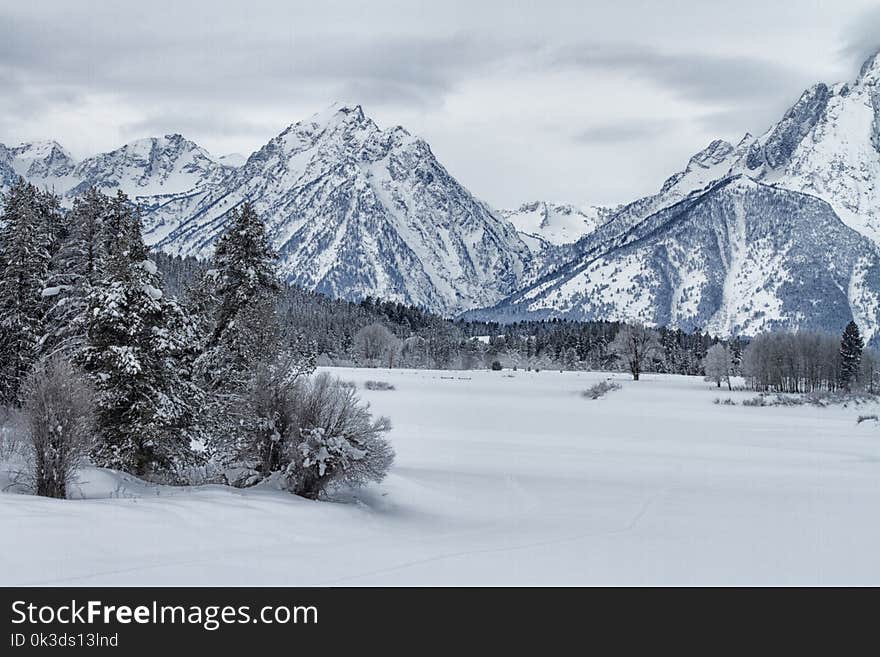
578, 101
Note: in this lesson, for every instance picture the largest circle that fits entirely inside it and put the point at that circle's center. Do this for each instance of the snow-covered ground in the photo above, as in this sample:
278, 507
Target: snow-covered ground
504, 480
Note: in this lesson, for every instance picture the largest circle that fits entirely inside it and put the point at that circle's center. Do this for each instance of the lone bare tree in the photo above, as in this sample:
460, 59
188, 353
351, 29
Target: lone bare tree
634, 344
718, 365
58, 408
375, 344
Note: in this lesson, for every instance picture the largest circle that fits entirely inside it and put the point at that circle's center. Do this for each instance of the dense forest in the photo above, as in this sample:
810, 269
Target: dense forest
416, 338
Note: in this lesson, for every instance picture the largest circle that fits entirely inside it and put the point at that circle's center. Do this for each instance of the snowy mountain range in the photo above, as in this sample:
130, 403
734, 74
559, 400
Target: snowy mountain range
353, 209
779, 229
736, 258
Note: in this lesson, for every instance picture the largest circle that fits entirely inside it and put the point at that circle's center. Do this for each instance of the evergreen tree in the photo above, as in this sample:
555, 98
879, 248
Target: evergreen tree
245, 290
851, 345
137, 349
26, 242
240, 295
77, 267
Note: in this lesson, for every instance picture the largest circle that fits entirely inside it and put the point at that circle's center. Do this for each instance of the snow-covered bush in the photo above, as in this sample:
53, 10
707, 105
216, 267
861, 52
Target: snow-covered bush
337, 442
600, 389
378, 385
59, 412
312, 431
266, 416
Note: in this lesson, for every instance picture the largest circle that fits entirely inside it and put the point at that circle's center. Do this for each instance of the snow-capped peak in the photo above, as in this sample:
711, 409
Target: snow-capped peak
40, 149
555, 223
45, 163
150, 167
357, 210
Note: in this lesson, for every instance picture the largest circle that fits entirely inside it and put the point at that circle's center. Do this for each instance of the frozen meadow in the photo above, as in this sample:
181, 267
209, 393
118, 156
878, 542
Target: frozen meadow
503, 478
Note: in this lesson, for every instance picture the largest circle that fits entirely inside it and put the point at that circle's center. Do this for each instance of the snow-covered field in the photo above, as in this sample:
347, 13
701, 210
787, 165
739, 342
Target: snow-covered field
504, 480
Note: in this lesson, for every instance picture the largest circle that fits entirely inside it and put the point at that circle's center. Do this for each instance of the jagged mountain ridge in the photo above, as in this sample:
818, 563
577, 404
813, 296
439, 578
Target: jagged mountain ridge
826, 147
356, 210
737, 258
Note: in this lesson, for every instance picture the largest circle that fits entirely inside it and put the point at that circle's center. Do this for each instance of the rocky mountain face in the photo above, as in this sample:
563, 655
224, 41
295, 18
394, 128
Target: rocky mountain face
805, 194
44, 163
353, 209
356, 210
736, 258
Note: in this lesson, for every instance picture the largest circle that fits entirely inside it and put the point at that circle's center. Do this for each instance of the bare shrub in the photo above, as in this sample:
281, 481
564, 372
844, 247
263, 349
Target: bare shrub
58, 410
338, 440
312, 432
600, 389
268, 417
866, 418
755, 401
724, 402
378, 385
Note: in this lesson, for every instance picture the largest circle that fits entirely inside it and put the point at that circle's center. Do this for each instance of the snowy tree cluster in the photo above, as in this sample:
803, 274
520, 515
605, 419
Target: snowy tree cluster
810, 362
107, 365
374, 332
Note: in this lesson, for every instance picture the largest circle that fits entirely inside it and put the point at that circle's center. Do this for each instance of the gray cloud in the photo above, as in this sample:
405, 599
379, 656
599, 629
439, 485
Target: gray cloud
862, 37
234, 74
695, 75
619, 132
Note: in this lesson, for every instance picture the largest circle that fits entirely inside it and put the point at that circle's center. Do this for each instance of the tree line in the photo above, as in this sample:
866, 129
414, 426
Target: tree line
374, 332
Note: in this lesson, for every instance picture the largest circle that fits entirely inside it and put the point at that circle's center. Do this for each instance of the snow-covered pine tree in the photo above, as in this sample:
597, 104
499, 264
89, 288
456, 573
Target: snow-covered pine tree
77, 266
137, 351
26, 243
851, 345
246, 289
241, 293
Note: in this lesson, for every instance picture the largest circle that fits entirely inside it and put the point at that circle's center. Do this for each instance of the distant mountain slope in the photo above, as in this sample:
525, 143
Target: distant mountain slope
555, 223
827, 145
737, 258
662, 258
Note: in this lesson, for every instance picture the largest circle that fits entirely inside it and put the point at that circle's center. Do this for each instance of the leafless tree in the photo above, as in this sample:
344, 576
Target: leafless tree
718, 365
375, 344
58, 409
635, 344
